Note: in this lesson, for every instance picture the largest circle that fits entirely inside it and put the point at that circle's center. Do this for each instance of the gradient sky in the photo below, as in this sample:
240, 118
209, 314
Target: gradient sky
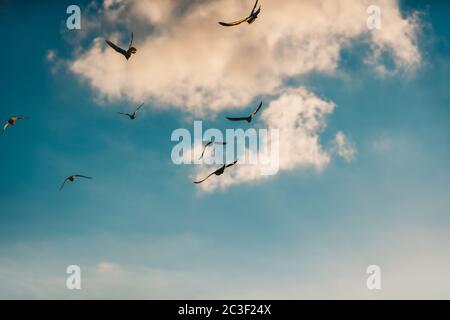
141, 229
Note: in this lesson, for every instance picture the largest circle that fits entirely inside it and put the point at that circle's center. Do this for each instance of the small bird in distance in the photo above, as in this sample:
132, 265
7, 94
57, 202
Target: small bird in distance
249, 118
126, 53
252, 17
218, 172
132, 116
12, 121
72, 179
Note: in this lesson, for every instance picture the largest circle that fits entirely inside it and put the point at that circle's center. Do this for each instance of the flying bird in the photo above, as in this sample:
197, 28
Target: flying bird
218, 172
72, 179
12, 121
252, 17
249, 118
126, 53
132, 116
209, 143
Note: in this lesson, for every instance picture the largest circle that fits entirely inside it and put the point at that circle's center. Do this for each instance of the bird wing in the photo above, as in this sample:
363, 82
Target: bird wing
22, 118
63, 184
237, 119
125, 114
131, 41
254, 7
231, 164
138, 108
197, 182
81, 176
218, 142
117, 48
203, 152
257, 109
234, 23
5, 126
255, 14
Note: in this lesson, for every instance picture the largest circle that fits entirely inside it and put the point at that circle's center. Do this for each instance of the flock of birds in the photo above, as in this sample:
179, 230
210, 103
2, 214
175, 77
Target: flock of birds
132, 116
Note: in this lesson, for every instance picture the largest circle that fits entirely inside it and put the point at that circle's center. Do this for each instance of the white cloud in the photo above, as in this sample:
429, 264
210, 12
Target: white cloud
397, 35
185, 59
300, 117
343, 147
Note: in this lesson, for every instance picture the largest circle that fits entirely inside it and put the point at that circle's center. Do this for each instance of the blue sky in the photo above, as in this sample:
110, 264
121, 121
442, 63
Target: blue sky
141, 229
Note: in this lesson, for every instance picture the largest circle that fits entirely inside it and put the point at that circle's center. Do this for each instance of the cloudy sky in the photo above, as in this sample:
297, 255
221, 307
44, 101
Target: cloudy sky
363, 120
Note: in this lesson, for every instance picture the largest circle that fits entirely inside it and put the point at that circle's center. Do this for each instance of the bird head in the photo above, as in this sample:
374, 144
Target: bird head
132, 50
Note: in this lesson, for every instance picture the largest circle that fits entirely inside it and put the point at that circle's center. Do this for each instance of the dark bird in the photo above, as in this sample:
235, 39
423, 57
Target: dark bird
72, 179
218, 172
12, 121
209, 143
249, 118
252, 17
126, 53
132, 116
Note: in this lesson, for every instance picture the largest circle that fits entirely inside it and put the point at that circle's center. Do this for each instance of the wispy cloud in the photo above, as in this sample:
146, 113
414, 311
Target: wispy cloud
382, 144
413, 266
343, 147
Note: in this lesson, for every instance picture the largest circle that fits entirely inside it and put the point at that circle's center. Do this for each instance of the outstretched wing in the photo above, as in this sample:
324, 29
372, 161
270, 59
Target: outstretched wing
203, 152
234, 23
254, 7
81, 176
138, 108
237, 119
218, 142
255, 14
63, 184
117, 48
4, 127
22, 118
197, 182
131, 41
257, 109
252, 15
231, 164
125, 114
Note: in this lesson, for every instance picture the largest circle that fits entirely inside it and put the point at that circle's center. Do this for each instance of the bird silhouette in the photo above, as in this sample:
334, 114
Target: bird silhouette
209, 143
126, 53
132, 116
72, 179
12, 121
249, 118
218, 172
252, 17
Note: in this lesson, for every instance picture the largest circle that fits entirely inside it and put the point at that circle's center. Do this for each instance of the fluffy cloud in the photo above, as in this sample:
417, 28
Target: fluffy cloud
186, 60
299, 116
